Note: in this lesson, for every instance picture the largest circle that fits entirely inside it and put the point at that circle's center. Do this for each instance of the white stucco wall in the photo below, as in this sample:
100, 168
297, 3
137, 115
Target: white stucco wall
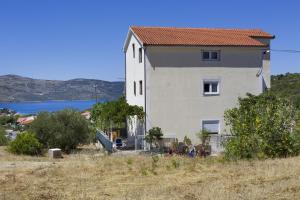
174, 86
266, 70
134, 72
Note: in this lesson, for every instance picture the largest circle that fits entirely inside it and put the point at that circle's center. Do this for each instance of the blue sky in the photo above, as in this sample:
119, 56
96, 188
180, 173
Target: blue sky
64, 39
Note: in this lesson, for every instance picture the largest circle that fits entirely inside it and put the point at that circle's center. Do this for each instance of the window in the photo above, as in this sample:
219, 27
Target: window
211, 87
133, 50
134, 88
211, 126
211, 55
214, 55
140, 55
141, 87
205, 55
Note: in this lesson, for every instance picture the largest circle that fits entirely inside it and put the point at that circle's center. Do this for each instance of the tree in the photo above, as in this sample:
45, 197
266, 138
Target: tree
7, 119
114, 114
261, 127
64, 129
154, 135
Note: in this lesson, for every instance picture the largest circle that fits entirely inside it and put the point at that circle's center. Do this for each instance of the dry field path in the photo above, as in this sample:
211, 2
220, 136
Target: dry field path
91, 175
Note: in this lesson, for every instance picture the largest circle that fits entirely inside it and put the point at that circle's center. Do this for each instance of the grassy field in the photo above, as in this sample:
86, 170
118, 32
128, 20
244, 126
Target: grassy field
92, 175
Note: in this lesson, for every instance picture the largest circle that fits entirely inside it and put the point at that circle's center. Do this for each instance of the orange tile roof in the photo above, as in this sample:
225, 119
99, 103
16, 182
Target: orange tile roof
199, 36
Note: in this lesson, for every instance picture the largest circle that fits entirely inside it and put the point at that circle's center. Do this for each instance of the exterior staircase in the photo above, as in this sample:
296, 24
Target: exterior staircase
105, 141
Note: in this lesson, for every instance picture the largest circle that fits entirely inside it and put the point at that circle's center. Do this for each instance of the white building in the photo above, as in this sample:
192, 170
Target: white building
185, 78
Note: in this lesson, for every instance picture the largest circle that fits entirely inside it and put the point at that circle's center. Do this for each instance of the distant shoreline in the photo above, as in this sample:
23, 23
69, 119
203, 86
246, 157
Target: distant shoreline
47, 101
35, 107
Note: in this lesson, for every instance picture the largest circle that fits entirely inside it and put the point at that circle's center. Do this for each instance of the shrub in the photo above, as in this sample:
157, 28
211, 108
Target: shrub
155, 160
187, 141
154, 135
25, 143
3, 138
261, 127
204, 137
298, 122
64, 129
7, 119
175, 163
204, 148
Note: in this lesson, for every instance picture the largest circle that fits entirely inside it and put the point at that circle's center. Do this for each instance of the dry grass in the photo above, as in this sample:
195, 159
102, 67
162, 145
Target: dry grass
90, 175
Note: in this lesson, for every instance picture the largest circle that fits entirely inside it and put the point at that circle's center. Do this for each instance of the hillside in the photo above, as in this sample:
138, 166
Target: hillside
287, 86
18, 88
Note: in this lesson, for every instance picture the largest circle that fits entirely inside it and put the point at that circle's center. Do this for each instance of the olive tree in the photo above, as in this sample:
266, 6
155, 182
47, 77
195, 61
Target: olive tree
64, 129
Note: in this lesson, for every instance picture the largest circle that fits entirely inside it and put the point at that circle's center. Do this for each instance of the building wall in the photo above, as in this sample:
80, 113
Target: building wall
174, 87
134, 72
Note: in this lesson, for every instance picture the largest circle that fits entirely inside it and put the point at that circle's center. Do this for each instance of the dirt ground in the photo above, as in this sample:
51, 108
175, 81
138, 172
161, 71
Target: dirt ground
89, 174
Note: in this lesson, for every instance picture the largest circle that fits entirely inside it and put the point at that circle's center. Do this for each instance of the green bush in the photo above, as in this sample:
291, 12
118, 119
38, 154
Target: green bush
204, 137
3, 138
154, 135
7, 119
261, 127
187, 141
25, 143
114, 114
64, 129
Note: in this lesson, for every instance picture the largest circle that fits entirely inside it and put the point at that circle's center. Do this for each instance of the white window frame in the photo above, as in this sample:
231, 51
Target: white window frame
210, 55
212, 120
210, 82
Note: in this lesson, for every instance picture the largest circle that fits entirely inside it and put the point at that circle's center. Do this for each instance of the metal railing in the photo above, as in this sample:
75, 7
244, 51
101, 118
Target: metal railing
105, 141
217, 141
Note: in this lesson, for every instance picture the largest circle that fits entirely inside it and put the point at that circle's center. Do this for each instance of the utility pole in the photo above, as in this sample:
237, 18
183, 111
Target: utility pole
95, 86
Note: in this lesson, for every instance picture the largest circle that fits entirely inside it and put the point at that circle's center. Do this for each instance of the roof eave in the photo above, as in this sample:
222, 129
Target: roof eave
129, 34
267, 37
189, 45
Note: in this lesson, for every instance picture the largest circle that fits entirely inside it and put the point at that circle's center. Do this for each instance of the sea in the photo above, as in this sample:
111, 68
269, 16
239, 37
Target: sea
26, 108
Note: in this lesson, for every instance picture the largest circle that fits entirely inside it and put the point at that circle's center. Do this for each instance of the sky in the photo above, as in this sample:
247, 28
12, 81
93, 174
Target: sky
65, 39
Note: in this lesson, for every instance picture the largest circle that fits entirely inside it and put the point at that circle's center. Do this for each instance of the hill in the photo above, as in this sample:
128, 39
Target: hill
18, 88
287, 86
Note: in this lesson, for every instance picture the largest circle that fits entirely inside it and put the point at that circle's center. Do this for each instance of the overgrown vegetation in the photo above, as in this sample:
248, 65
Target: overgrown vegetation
7, 119
114, 114
85, 175
287, 86
262, 126
204, 137
3, 138
25, 143
187, 141
203, 149
64, 129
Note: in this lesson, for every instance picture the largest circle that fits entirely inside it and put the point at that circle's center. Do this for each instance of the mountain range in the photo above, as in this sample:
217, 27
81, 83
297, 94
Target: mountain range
18, 88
